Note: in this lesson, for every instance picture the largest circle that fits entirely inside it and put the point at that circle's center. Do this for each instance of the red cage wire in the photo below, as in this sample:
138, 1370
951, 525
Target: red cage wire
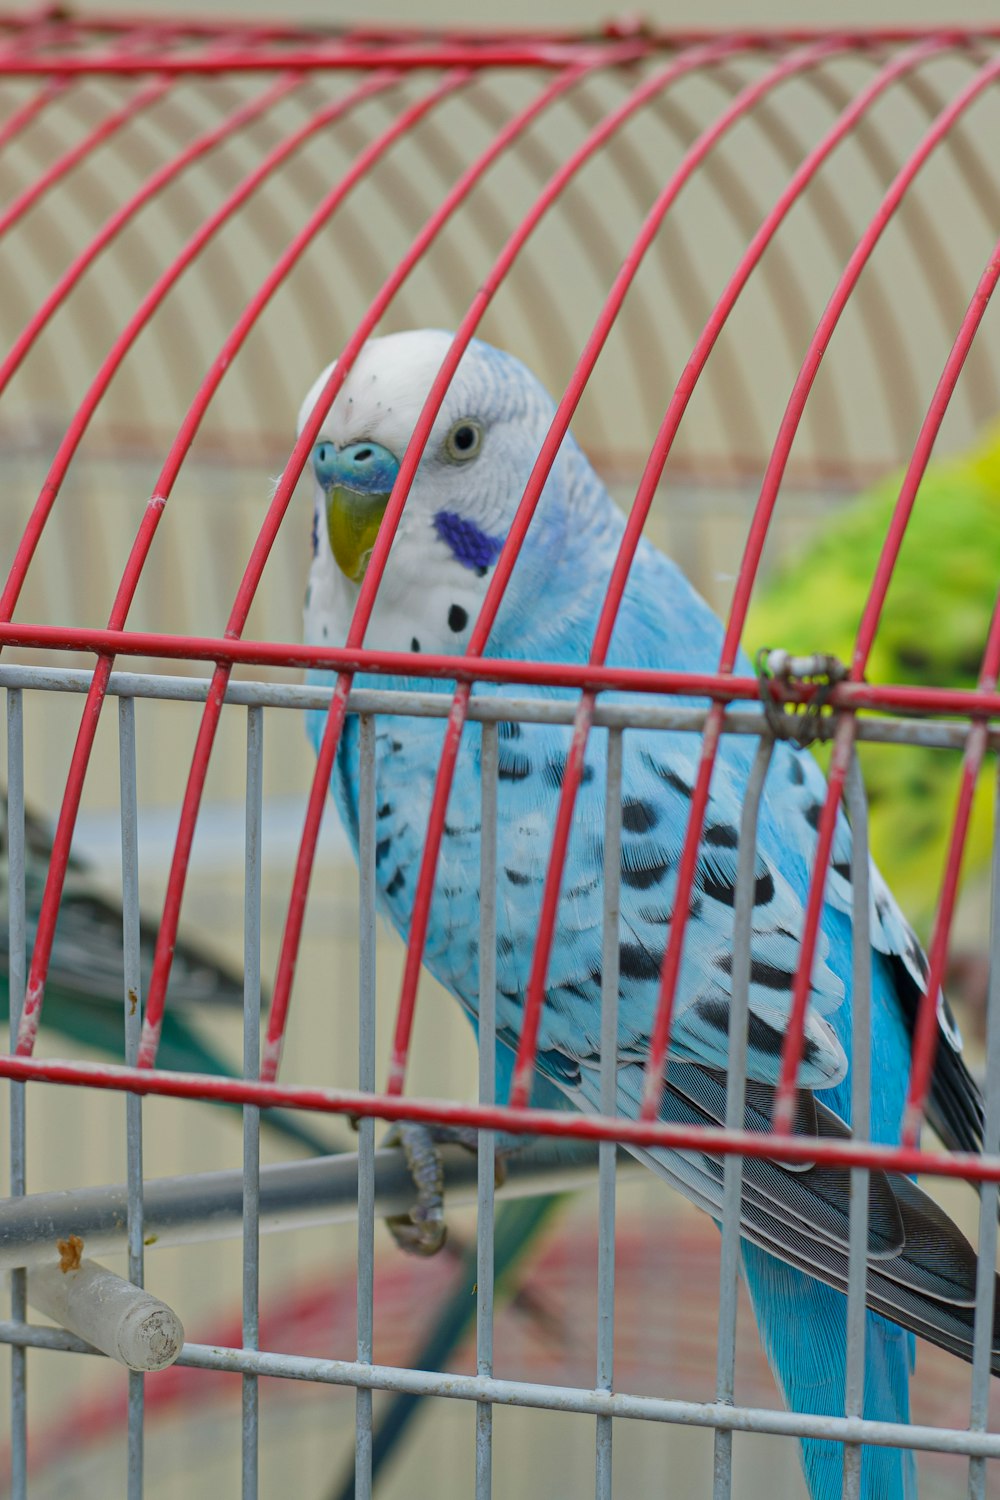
413, 74
54, 50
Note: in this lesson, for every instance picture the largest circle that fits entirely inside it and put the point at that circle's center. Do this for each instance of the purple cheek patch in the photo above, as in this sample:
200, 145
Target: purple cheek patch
470, 546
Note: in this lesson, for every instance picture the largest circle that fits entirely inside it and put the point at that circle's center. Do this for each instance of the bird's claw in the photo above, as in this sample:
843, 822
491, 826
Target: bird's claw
418, 1232
422, 1229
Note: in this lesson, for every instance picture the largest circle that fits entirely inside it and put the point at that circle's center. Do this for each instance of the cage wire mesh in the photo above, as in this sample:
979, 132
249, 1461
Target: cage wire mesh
754, 267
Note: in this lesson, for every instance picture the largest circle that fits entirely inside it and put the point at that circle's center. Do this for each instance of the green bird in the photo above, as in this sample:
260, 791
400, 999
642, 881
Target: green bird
932, 633
85, 990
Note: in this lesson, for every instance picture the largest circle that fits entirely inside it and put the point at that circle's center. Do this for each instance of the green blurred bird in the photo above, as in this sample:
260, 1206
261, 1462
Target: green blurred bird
932, 633
84, 994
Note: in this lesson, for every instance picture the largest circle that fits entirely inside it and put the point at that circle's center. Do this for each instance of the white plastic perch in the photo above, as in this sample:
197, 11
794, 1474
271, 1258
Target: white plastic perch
120, 1319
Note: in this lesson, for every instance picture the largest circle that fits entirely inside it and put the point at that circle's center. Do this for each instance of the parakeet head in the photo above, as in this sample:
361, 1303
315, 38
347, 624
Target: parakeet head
462, 501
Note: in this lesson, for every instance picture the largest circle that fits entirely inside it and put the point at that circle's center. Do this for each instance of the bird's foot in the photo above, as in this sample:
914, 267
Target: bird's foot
422, 1229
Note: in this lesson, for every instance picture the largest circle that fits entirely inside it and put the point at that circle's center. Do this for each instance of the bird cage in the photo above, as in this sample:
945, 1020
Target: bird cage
751, 268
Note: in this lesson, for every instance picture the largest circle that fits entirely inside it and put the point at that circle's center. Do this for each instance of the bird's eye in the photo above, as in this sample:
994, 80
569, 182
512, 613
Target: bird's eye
464, 440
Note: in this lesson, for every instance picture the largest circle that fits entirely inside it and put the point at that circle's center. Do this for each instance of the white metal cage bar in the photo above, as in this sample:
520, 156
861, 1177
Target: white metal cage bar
604, 1400
251, 1115
133, 1028
733, 1181
486, 1157
16, 980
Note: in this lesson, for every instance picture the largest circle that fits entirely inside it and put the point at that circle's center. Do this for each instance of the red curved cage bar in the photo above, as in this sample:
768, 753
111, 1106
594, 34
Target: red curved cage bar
616, 588
729, 256
512, 545
126, 590
241, 606
784, 1101
239, 118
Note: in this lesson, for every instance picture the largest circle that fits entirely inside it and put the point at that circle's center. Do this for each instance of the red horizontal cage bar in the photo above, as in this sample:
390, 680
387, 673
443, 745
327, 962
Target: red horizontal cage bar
556, 1123
879, 697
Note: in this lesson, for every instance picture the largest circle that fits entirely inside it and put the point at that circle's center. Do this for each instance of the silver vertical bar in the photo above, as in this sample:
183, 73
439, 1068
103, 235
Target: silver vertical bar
133, 1027
861, 1053
609, 1106
732, 1181
985, 1278
487, 1095
251, 1114
366, 1082
16, 981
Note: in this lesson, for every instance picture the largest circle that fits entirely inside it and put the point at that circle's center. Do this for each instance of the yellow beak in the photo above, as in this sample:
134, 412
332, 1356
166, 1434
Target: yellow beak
352, 521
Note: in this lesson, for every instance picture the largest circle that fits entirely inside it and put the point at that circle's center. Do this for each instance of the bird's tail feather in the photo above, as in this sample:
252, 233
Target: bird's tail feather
921, 1268
803, 1327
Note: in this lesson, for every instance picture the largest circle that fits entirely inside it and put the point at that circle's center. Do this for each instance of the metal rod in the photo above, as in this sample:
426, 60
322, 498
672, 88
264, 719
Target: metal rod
750, 1419
251, 1114
492, 709
606, 1185
133, 1027
319, 1190
17, 969
486, 1204
892, 698
985, 1279
732, 1182
366, 1082
861, 985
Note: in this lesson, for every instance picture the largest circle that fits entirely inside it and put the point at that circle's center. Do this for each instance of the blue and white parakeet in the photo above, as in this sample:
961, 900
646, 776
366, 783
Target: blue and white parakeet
795, 1222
